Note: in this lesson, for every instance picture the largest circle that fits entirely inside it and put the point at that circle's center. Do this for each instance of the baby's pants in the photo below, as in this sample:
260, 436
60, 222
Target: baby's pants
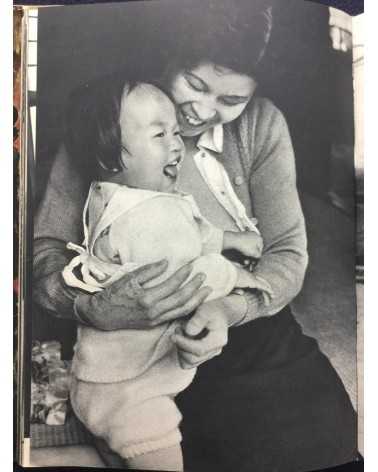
134, 416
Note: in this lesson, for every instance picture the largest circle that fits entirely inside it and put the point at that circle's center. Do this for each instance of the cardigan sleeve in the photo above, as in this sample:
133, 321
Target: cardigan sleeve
277, 207
56, 222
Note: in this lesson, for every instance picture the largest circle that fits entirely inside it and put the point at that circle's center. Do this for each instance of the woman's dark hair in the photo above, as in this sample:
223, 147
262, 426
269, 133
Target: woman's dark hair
92, 130
229, 33
233, 34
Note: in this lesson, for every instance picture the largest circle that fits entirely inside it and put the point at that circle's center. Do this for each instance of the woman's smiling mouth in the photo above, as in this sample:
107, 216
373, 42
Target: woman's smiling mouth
191, 120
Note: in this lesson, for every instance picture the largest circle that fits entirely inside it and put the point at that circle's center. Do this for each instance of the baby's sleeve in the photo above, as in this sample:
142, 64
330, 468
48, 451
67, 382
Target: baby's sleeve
211, 236
221, 274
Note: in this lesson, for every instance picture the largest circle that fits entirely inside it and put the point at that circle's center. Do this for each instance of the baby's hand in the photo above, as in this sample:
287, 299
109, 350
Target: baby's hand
249, 243
247, 279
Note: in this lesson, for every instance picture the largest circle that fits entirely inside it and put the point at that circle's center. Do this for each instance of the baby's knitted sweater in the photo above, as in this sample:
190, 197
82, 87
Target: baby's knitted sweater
128, 228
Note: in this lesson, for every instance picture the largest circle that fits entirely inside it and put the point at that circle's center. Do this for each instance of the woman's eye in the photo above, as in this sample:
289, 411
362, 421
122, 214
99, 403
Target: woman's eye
160, 135
176, 133
194, 83
232, 101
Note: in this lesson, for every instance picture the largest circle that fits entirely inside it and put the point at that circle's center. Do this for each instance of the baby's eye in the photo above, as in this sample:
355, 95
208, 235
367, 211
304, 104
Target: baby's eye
159, 135
176, 133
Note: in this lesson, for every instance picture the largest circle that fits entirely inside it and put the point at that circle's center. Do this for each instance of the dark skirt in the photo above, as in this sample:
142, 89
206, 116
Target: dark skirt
270, 402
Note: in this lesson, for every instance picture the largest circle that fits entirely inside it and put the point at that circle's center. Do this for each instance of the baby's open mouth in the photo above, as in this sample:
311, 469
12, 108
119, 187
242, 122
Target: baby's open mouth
171, 169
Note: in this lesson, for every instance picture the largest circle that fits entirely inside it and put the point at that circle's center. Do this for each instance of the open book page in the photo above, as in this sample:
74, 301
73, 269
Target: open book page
20, 335
249, 108
358, 78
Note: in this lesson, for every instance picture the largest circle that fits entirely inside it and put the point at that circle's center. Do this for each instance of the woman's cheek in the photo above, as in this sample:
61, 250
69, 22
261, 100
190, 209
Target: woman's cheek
231, 113
180, 91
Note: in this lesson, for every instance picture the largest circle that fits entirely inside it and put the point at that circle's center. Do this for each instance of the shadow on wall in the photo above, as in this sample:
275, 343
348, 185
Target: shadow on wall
312, 84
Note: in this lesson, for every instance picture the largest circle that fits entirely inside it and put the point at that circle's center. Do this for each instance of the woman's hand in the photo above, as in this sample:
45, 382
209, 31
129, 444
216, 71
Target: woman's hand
206, 333
127, 305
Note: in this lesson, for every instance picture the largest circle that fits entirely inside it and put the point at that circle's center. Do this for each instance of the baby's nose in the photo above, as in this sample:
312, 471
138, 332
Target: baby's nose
177, 144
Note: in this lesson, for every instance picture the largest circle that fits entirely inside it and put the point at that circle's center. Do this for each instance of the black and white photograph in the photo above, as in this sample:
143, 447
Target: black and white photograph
196, 183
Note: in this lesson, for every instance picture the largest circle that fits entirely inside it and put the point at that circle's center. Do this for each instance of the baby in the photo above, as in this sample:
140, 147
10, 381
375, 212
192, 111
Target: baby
124, 382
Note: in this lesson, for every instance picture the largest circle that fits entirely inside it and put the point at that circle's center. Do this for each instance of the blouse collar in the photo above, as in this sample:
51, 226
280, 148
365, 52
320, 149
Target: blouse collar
212, 139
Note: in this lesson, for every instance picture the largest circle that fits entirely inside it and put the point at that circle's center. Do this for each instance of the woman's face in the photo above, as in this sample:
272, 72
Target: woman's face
207, 95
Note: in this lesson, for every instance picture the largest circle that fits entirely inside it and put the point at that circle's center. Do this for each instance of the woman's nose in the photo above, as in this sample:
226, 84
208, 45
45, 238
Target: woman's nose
205, 111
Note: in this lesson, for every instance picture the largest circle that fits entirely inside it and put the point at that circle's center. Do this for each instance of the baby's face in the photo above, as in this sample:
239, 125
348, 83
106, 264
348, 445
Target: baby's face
150, 136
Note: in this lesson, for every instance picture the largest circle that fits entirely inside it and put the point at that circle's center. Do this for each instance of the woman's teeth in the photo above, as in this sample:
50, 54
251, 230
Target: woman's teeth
193, 121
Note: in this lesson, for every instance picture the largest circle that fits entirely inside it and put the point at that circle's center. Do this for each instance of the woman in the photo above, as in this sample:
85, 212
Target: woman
270, 401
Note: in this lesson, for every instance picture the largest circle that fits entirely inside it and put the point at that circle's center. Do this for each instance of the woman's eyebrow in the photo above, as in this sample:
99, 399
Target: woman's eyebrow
195, 76
237, 97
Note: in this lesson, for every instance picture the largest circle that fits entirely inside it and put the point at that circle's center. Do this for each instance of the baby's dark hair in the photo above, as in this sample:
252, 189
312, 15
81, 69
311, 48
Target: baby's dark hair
233, 34
92, 129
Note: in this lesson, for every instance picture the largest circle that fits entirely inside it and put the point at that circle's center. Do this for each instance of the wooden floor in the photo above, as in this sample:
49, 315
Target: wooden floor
327, 304
330, 305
